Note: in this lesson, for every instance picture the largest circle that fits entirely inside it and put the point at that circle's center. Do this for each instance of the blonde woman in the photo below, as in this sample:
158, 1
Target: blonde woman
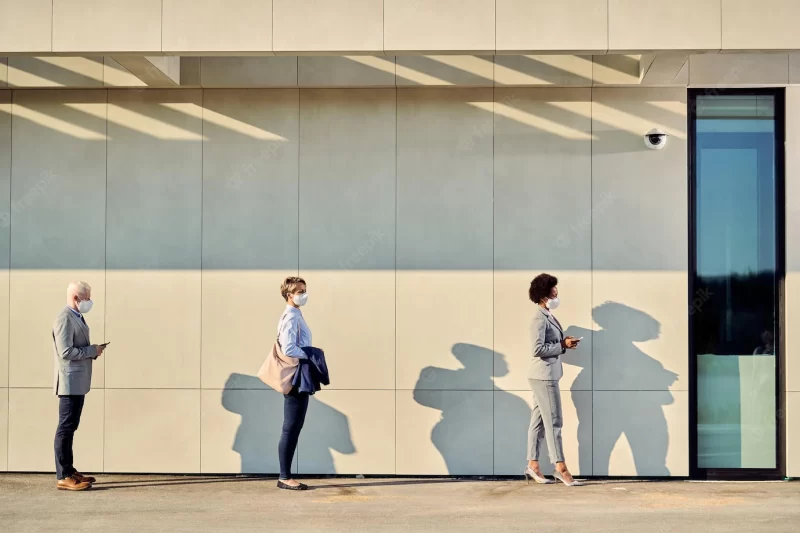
293, 335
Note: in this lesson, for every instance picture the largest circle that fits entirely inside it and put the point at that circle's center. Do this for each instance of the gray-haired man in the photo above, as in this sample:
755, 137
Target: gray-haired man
73, 379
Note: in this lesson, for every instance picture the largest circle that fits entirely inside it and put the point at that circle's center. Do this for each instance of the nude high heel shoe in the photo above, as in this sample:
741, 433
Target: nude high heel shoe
574, 483
530, 474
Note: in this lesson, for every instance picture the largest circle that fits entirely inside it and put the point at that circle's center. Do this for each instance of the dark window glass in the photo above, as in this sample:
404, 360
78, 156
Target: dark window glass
734, 306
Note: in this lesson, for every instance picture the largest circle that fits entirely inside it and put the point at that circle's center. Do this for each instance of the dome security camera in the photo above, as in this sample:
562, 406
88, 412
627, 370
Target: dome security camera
655, 139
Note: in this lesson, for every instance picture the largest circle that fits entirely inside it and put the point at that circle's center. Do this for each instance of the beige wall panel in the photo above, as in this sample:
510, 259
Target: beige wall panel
26, 26
152, 431
240, 429
249, 225
217, 26
349, 432
513, 316
347, 233
346, 71
764, 25
5, 225
4, 72
4, 327
327, 26
543, 70
447, 346
639, 269
153, 318
37, 296
369, 361
616, 69
3, 430
115, 75
657, 25
107, 25
248, 72
635, 25
444, 238
640, 433
665, 69
552, 25
240, 314
512, 417
445, 70
793, 434
444, 25
682, 77
738, 69
444, 432
49, 187
640, 333
154, 219
54, 71
32, 423
542, 154
794, 68
792, 283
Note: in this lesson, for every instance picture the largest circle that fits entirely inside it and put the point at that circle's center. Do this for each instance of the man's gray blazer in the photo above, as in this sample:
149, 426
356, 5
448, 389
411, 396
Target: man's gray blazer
546, 337
73, 355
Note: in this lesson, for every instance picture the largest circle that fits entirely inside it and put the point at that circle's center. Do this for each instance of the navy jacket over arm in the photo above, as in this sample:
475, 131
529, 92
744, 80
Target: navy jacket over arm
312, 373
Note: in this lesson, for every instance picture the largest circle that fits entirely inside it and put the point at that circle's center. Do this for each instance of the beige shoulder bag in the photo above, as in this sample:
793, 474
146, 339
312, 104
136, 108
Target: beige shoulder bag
279, 369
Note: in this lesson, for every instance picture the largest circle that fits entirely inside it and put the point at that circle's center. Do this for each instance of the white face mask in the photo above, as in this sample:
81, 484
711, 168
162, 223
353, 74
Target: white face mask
85, 306
552, 303
300, 299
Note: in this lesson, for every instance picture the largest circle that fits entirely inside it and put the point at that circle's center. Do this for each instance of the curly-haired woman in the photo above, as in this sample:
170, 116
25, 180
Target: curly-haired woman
549, 343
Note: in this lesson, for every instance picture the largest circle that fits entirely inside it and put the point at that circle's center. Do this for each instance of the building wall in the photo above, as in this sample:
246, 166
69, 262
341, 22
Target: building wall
792, 288
418, 217
218, 27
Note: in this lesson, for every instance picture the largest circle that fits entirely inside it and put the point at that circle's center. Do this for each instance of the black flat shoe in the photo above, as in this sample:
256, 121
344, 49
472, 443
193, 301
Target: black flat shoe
284, 486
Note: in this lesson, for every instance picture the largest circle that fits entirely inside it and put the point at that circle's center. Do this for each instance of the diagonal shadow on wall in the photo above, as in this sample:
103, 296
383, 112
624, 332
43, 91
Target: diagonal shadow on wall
261, 412
626, 410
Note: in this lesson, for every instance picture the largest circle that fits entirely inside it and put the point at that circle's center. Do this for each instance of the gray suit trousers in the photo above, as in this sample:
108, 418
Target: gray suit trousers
546, 420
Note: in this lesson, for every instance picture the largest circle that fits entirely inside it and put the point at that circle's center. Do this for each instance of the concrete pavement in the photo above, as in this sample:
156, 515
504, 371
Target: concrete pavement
217, 503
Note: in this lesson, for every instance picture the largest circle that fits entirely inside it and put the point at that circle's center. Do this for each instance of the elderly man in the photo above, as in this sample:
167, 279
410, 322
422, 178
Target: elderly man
73, 379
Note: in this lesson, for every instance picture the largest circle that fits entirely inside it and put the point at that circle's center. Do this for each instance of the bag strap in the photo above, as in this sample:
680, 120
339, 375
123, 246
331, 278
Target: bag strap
278, 337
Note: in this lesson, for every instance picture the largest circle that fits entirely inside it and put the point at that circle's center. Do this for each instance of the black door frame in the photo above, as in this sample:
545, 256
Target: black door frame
780, 234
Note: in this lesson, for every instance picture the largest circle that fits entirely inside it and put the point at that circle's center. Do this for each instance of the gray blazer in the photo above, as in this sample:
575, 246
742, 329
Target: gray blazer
73, 355
546, 336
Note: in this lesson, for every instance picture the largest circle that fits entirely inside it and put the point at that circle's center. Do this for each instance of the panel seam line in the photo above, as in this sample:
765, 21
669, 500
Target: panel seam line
8, 341
105, 287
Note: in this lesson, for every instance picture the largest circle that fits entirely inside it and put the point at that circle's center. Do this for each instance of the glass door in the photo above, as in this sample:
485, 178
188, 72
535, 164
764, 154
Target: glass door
736, 173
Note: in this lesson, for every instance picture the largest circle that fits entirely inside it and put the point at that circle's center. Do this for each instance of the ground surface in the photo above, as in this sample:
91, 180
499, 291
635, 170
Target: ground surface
174, 503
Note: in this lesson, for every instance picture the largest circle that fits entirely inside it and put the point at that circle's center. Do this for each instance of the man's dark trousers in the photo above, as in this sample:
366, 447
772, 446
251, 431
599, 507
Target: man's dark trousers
69, 416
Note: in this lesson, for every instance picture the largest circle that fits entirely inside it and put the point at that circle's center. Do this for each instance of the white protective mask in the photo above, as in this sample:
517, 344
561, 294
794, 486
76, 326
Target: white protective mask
300, 299
84, 306
552, 303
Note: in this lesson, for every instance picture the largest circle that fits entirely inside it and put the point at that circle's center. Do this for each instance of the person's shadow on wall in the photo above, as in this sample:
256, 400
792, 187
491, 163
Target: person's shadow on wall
256, 439
640, 417
464, 435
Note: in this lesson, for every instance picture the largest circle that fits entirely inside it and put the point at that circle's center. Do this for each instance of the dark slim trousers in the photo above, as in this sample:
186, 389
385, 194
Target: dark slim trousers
69, 416
295, 405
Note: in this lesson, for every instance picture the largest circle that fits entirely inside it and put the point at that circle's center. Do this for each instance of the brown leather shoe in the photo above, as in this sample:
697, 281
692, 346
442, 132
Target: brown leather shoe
70, 483
80, 478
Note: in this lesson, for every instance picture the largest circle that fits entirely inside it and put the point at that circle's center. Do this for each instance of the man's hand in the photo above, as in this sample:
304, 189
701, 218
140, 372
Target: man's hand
570, 343
99, 349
